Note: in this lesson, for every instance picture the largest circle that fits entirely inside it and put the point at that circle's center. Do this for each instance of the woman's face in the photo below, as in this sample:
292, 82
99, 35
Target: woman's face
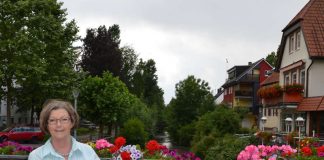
59, 124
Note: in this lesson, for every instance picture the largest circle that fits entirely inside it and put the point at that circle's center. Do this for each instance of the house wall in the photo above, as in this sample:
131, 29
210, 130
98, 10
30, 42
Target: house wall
289, 58
263, 67
316, 79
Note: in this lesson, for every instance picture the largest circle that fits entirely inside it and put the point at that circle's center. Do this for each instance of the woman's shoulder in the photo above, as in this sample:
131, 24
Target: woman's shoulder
83, 146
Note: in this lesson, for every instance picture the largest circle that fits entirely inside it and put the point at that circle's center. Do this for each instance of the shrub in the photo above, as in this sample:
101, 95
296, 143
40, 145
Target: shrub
201, 147
134, 132
186, 134
226, 148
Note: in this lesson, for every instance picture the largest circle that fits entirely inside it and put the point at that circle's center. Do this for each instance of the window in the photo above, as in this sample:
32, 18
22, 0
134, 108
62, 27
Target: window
269, 112
291, 43
287, 79
302, 77
297, 44
265, 112
294, 77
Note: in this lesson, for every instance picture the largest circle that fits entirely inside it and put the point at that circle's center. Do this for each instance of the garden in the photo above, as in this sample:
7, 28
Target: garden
106, 150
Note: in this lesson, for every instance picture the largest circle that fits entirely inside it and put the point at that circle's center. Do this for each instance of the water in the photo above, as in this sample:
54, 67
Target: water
164, 140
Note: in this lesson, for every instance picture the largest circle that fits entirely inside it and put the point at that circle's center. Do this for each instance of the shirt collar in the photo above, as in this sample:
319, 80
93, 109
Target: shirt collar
48, 147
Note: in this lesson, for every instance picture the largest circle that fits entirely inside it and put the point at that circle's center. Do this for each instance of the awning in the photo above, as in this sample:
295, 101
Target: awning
311, 104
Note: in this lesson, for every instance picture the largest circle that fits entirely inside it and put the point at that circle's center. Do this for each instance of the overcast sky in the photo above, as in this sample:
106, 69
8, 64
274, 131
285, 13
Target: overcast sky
191, 37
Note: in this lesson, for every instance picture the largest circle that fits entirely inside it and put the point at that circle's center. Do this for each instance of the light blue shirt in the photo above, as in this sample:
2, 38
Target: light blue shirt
79, 151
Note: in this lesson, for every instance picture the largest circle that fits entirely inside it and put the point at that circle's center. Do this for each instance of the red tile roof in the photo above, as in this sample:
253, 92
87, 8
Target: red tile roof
311, 18
311, 104
273, 78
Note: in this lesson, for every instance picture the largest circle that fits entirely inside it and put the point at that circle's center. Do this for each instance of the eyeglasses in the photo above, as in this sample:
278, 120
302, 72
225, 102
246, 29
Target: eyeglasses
62, 121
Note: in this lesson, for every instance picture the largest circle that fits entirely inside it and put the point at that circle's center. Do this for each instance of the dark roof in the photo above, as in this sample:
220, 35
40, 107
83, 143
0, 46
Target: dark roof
273, 78
237, 78
311, 21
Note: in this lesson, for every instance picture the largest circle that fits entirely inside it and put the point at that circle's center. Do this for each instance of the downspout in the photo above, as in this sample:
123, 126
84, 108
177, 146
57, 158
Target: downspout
307, 78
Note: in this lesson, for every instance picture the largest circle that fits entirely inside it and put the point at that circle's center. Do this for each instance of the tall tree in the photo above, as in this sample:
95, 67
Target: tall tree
36, 51
104, 100
145, 83
193, 99
101, 51
272, 58
129, 62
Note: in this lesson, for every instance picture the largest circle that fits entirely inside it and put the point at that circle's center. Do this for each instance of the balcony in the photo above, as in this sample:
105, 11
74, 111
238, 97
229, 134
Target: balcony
250, 78
243, 93
285, 98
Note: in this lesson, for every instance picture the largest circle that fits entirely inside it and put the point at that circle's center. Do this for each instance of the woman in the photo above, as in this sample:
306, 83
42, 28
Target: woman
58, 118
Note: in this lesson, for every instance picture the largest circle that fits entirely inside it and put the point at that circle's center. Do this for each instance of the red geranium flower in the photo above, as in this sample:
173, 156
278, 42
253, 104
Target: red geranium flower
153, 146
120, 141
113, 149
306, 151
125, 155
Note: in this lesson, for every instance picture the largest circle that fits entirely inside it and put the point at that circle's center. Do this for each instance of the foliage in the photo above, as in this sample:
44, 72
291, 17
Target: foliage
201, 147
186, 134
137, 109
272, 58
226, 148
133, 131
144, 85
193, 99
294, 88
101, 51
37, 56
13, 148
270, 91
221, 121
129, 63
104, 100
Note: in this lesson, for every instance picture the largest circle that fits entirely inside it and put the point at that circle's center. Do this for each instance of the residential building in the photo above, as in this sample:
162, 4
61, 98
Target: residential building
240, 89
301, 61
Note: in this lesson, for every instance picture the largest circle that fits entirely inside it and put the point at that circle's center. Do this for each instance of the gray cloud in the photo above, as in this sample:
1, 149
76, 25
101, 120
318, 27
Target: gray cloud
191, 37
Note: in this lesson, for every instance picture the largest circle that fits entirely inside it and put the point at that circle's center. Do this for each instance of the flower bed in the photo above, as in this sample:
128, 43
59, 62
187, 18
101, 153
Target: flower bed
310, 150
153, 150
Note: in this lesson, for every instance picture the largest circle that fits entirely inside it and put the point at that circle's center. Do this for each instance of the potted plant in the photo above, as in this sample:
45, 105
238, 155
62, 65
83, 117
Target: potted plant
294, 88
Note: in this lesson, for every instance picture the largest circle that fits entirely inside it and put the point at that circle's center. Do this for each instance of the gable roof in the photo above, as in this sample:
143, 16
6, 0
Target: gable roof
239, 77
311, 21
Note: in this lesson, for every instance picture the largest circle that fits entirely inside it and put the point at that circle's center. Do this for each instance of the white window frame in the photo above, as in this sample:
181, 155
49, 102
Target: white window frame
297, 40
294, 78
287, 76
291, 43
302, 79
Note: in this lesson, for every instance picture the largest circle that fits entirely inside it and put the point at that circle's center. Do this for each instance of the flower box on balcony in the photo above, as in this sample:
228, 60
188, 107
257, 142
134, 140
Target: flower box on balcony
268, 92
294, 88
292, 97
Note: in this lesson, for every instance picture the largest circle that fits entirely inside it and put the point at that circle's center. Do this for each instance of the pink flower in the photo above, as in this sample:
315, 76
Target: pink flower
102, 143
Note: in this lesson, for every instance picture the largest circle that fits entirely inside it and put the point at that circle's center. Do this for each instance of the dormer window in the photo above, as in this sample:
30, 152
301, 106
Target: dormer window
297, 44
294, 41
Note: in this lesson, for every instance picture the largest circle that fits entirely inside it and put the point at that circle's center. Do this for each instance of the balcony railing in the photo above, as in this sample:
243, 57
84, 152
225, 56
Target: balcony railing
244, 93
285, 98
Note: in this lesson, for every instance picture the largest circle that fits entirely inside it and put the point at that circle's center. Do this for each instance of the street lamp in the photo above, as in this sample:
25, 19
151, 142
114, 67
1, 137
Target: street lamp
299, 123
75, 93
288, 122
263, 121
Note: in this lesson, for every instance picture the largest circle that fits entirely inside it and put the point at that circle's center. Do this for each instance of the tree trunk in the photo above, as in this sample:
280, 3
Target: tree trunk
101, 127
9, 100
